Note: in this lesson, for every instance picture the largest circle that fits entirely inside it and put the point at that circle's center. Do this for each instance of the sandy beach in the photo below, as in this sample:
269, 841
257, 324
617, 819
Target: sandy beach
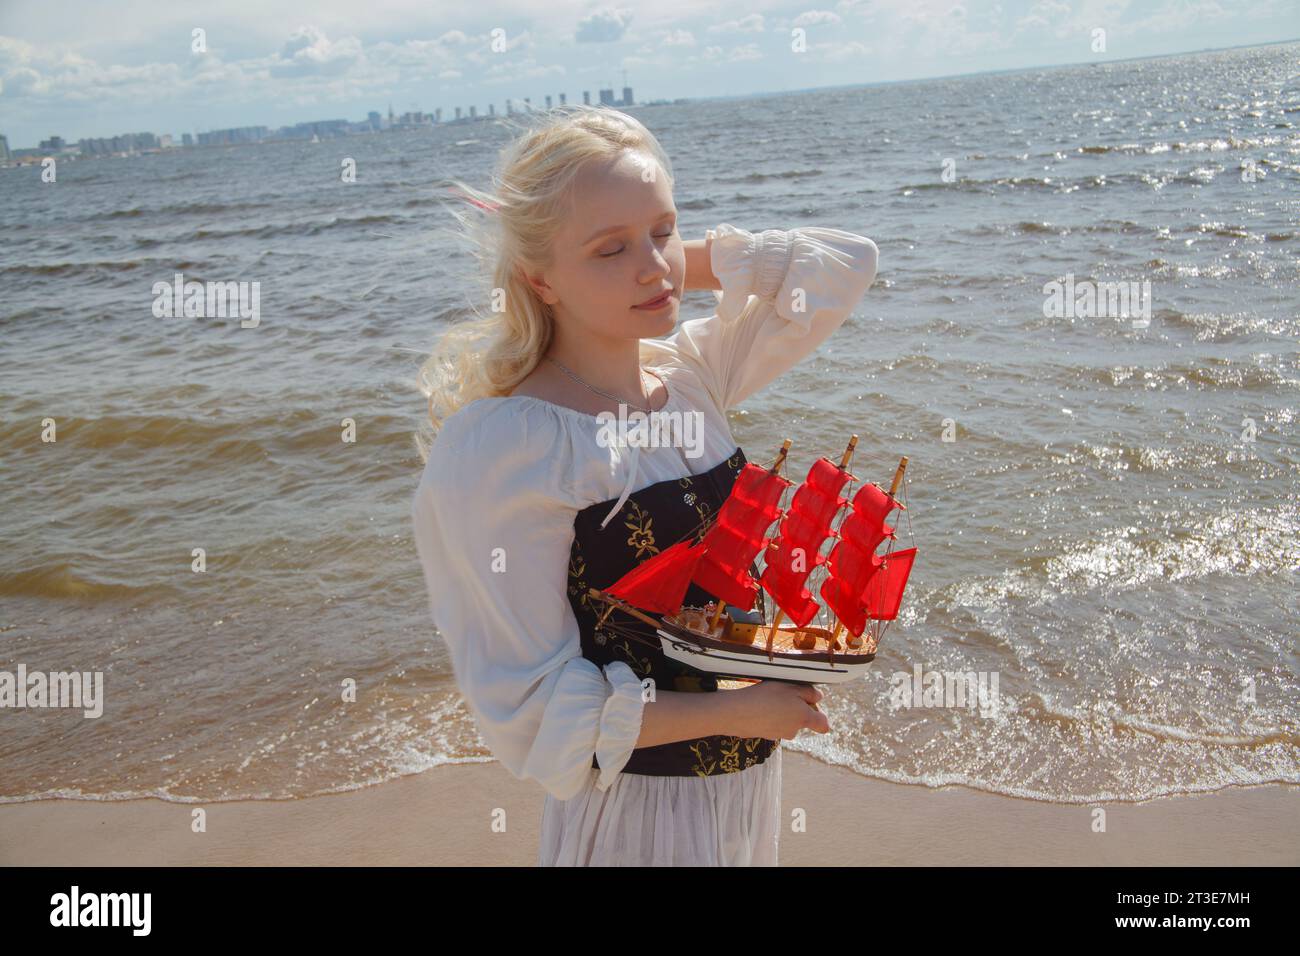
444, 817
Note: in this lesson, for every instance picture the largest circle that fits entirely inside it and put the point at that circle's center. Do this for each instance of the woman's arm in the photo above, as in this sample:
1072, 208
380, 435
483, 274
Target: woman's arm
783, 292
775, 710
493, 521
699, 265
681, 715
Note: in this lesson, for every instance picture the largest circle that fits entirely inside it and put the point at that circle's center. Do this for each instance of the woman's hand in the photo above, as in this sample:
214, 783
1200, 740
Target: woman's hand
775, 710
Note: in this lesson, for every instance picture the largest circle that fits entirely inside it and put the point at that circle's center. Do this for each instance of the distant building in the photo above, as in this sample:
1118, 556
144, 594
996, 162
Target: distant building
4, 149
319, 128
562, 99
586, 97
115, 145
187, 139
53, 144
229, 137
376, 121
548, 101
627, 96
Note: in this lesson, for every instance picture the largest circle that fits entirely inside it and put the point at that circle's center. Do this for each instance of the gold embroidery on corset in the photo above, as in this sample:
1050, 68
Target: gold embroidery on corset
641, 665
701, 768
703, 512
730, 754
706, 766
642, 537
577, 584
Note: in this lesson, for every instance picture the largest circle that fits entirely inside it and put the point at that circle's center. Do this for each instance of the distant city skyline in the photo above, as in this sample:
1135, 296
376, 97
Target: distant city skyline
87, 70
374, 122
148, 141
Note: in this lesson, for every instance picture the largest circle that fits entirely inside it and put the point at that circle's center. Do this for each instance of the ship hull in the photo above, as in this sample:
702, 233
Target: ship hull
729, 659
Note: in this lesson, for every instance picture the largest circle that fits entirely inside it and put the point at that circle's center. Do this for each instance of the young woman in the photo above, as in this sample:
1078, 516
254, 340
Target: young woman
525, 502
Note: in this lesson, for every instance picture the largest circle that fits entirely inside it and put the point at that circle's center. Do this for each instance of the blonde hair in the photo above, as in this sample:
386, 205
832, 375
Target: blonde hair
511, 228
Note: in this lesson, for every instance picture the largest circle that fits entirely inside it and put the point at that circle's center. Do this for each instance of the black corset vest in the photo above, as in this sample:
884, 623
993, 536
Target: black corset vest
650, 521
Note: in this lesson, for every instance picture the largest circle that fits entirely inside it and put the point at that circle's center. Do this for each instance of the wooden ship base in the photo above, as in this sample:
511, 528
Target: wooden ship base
739, 650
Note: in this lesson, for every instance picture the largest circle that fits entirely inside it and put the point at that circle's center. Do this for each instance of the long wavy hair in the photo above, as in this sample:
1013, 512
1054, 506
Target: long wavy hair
510, 229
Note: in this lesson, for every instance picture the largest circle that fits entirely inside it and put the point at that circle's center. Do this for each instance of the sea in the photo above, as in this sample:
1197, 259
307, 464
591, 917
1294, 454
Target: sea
1105, 504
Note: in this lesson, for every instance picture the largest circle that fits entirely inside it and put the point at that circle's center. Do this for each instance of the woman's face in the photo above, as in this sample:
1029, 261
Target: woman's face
619, 248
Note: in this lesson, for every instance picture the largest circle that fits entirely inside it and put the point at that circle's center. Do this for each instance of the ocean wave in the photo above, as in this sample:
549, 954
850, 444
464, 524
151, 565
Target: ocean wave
236, 439
1214, 144
294, 228
784, 174
64, 581
1227, 327
978, 779
1243, 542
193, 208
1209, 373
1048, 184
165, 267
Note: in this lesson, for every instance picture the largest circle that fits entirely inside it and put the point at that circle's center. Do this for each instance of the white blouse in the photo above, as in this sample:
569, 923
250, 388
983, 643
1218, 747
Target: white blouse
494, 524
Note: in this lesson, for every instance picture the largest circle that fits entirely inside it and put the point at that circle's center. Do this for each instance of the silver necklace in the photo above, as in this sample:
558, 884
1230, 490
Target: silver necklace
622, 401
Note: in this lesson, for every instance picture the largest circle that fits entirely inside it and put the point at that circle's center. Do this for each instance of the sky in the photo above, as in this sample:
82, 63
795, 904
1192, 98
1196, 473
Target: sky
83, 68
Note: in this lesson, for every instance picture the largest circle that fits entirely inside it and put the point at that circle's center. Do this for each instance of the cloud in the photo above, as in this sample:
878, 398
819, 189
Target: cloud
308, 52
815, 18
737, 54
308, 65
1046, 15
753, 23
55, 73
679, 38
853, 50
606, 25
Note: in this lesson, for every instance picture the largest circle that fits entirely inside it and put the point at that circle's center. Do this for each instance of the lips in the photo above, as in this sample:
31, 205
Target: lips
658, 302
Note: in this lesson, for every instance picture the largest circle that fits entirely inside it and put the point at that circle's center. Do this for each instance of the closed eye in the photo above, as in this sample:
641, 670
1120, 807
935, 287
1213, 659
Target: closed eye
667, 235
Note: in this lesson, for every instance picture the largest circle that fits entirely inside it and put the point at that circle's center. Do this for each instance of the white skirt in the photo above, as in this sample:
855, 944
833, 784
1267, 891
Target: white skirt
727, 819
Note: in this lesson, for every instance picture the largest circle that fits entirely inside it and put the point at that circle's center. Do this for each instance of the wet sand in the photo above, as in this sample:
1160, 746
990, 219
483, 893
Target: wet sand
444, 816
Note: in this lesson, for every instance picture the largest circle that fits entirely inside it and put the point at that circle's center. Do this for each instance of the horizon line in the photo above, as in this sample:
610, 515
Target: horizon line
812, 89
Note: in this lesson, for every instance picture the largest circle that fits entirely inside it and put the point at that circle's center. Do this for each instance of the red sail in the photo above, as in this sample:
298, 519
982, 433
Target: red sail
884, 591
737, 535
659, 583
796, 551
853, 563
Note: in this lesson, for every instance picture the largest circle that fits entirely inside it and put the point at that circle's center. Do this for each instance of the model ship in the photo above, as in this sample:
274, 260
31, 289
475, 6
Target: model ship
861, 590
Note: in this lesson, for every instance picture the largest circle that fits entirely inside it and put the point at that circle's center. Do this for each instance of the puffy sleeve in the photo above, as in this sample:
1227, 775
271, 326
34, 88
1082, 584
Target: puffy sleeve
783, 293
494, 526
